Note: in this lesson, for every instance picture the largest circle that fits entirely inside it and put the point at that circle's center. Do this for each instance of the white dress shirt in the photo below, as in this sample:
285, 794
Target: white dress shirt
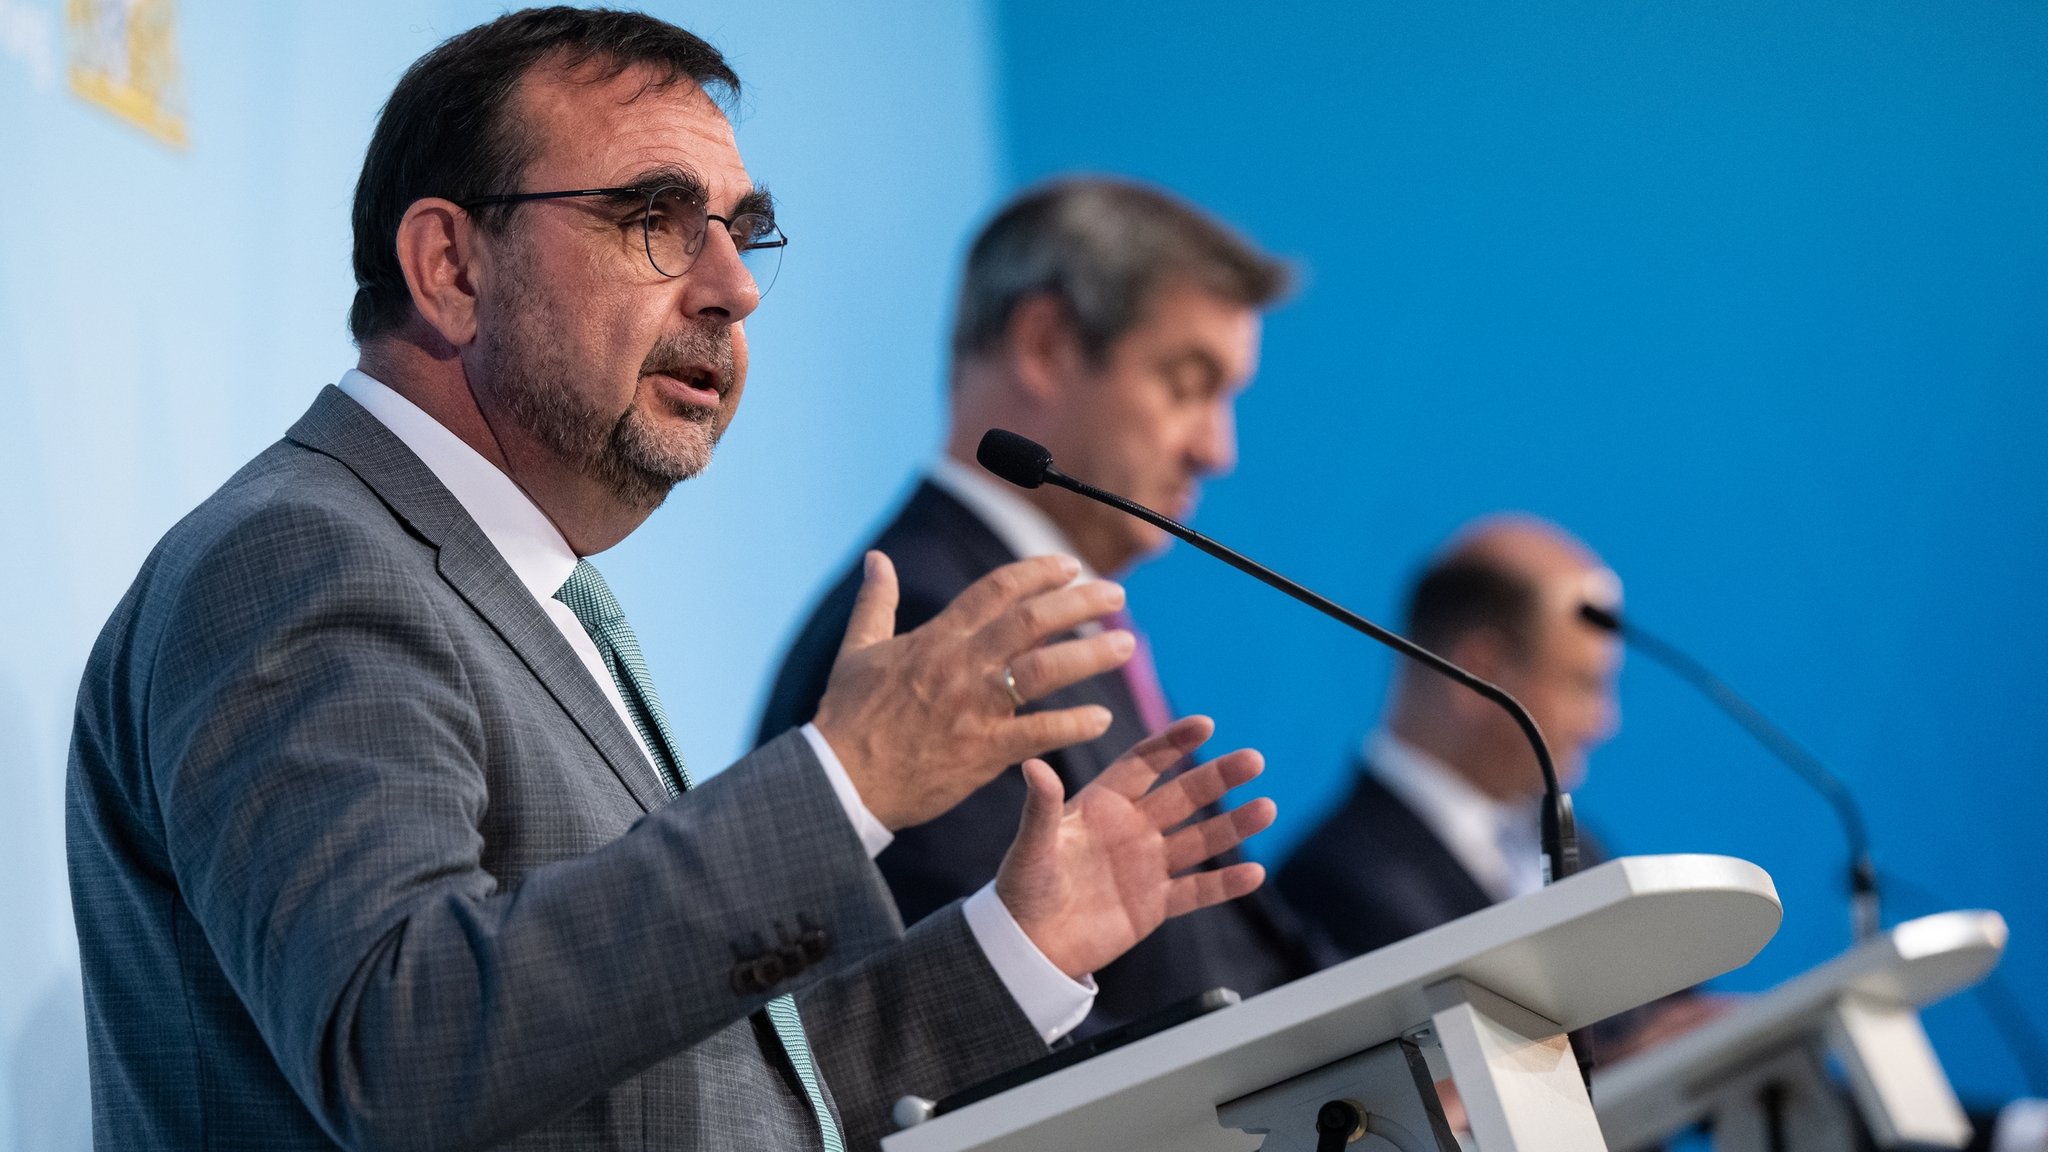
1497, 843
1017, 522
542, 560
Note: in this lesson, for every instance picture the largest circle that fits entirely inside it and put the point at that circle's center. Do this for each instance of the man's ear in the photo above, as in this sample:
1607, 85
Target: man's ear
437, 250
1486, 653
1044, 348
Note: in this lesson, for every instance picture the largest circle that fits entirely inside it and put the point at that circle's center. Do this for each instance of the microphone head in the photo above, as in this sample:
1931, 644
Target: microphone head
1010, 456
1605, 619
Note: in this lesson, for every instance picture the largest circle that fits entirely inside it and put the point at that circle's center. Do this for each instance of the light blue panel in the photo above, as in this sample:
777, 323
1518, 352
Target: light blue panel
1754, 296
167, 313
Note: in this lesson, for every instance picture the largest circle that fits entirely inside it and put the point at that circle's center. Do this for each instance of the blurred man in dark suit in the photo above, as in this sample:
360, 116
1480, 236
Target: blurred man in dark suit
1442, 819
1116, 326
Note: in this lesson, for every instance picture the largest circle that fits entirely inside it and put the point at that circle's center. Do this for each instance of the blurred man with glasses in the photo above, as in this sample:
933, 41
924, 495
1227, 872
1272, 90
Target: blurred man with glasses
1116, 325
379, 834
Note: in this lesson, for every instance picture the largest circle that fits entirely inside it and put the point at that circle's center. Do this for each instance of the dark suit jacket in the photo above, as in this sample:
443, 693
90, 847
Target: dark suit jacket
940, 547
361, 856
1373, 873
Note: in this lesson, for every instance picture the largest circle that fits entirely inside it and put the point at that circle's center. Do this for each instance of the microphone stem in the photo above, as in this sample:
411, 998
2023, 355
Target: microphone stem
1864, 909
1560, 846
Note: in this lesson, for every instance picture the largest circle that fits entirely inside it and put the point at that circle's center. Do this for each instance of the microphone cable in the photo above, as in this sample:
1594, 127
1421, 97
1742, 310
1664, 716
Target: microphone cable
1995, 996
1864, 905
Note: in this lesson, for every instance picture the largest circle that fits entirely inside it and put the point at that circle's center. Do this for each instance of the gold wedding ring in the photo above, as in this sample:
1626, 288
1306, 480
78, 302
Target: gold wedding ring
1010, 686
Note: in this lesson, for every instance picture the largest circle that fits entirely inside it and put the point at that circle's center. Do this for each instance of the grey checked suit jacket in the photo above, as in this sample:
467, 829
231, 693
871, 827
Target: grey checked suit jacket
360, 855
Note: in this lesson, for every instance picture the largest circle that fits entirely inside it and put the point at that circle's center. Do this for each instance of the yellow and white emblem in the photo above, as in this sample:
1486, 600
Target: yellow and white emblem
125, 59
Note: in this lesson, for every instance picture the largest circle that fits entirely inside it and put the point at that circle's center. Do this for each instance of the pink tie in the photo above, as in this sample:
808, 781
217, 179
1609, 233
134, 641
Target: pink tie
1141, 677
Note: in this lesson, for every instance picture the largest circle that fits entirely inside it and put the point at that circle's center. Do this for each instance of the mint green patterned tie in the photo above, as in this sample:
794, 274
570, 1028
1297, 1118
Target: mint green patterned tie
587, 595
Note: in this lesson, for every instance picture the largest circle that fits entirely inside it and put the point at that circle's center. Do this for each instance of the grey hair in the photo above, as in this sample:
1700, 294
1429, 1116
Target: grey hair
1101, 247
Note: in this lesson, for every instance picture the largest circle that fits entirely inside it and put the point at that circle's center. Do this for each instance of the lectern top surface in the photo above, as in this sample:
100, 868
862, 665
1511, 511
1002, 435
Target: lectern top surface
1925, 960
1578, 951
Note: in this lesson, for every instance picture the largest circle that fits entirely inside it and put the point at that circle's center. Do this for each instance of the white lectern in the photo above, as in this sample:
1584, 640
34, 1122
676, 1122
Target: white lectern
1487, 999
1758, 1073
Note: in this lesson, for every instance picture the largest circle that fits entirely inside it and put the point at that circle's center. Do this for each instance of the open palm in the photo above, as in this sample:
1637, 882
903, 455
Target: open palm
1088, 878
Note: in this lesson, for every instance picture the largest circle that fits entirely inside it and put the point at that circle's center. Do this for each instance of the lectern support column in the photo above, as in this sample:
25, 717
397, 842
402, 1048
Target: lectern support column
1900, 1087
1515, 1073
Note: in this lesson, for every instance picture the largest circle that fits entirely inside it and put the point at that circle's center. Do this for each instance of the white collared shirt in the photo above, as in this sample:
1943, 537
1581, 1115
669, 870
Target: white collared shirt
1497, 843
1017, 522
542, 560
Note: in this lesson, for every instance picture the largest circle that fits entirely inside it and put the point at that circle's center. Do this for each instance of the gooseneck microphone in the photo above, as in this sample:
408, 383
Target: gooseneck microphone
1027, 464
1864, 919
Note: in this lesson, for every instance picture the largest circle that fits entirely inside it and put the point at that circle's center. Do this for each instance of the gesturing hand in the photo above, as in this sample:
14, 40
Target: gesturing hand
922, 719
1087, 879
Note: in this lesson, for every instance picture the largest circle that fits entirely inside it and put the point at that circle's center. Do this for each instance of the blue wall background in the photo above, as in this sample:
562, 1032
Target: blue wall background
1752, 297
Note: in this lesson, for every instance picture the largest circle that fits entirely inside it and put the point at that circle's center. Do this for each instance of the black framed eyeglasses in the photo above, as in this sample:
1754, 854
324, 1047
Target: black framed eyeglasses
673, 224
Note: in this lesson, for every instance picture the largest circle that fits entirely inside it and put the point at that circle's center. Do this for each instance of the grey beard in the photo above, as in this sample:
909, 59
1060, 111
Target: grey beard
639, 469
636, 461
629, 459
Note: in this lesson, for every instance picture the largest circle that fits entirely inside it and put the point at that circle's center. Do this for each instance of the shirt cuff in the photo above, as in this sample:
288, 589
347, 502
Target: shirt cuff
2022, 1124
874, 836
1054, 1004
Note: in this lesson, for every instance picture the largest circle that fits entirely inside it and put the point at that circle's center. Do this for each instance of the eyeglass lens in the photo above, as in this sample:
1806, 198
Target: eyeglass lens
676, 229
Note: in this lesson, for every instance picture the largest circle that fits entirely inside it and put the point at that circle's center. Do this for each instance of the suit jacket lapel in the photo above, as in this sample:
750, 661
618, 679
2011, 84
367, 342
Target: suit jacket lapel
935, 510
339, 427
1405, 832
480, 575
981, 551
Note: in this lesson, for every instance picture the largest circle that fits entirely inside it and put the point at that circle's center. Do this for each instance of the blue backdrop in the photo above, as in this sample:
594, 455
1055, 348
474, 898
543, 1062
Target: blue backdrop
1751, 296
168, 310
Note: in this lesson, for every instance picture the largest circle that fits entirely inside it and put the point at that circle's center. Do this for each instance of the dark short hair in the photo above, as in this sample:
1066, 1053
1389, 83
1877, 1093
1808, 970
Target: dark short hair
1461, 595
1100, 246
449, 129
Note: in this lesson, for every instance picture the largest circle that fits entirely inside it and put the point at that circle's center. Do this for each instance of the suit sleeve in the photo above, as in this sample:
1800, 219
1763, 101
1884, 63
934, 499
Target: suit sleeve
932, 865
928, 1018
317, 754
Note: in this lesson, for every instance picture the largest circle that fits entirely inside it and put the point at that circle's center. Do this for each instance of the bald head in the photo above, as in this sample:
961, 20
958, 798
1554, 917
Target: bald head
1502, 599
1542, 573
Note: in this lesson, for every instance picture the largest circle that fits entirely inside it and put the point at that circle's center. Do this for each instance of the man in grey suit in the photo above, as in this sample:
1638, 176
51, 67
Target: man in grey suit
379, 837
